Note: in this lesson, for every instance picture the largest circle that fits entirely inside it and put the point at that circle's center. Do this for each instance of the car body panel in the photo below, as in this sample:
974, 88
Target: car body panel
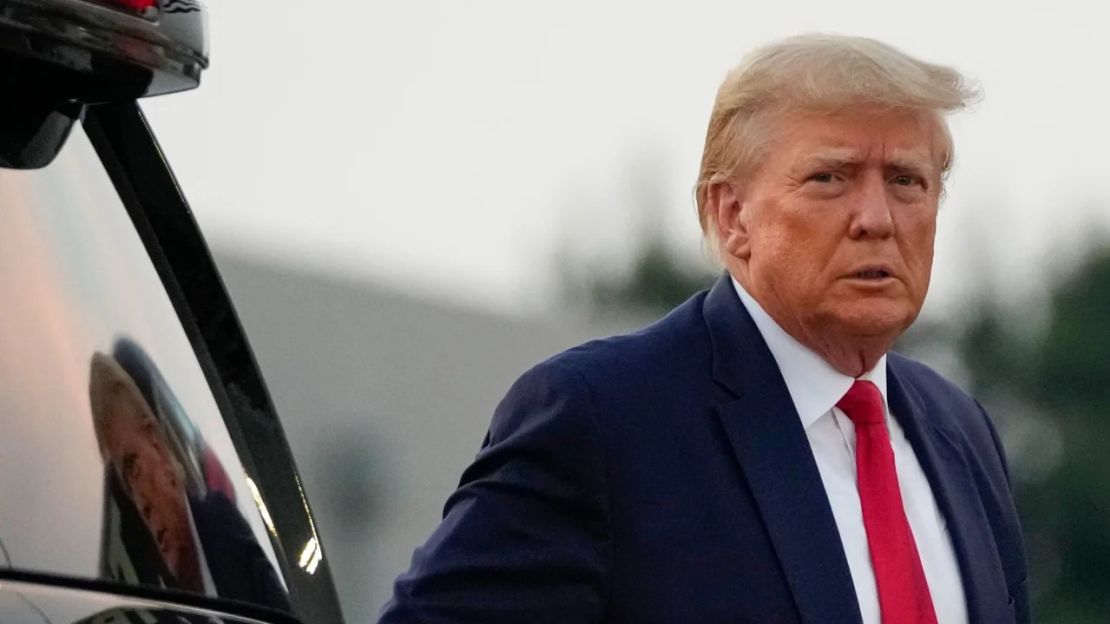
33, 603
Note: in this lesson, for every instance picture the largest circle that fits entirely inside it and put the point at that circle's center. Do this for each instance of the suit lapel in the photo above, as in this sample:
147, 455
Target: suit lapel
943, 461
770, 444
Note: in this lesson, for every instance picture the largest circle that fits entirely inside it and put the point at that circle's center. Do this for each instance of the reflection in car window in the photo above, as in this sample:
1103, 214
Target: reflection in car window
114, 460
170, 517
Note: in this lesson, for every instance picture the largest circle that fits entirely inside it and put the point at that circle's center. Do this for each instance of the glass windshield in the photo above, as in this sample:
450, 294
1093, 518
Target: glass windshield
114, 459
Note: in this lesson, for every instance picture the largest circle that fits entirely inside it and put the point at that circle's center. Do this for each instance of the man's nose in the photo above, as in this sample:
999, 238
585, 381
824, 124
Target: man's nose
872, 217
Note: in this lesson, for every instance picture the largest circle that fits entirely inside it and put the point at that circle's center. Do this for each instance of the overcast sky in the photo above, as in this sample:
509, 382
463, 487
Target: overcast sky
457, 149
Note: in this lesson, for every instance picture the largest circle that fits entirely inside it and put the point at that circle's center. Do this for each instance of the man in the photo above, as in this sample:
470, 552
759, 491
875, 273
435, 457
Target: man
200, 540
757, 455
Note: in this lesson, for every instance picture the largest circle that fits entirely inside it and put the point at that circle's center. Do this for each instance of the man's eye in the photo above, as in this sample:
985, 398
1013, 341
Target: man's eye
905, 180
823, 177
130, 466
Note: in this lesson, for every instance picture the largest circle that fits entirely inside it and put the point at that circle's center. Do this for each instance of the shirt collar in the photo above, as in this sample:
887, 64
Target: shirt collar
814, 385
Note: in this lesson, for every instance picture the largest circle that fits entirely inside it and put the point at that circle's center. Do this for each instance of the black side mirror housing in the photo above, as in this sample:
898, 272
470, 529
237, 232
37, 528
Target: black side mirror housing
56, 56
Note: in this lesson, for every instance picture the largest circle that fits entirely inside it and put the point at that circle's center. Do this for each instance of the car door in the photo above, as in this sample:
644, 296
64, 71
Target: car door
144, 476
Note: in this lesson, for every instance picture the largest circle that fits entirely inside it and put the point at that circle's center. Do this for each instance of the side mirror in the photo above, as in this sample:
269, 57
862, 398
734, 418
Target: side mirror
58, 55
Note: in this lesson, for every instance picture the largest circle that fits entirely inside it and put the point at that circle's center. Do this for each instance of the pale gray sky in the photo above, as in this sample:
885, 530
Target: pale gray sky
454, 148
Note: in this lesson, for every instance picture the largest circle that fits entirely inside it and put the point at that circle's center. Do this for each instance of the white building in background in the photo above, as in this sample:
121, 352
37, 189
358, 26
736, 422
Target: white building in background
385, 399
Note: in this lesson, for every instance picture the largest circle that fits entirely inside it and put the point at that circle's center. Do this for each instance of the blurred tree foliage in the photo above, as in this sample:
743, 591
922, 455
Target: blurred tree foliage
656, 282
1057, 384
1046, 383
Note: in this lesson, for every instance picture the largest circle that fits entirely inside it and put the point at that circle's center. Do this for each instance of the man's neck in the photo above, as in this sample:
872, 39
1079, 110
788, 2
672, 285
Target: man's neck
814, 385
849, 354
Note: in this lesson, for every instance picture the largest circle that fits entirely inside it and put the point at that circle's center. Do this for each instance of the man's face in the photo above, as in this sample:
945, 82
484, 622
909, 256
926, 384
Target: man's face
150, 476
837, 224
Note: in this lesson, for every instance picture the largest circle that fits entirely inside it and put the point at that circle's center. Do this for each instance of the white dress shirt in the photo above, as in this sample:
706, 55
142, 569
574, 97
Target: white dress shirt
816, 387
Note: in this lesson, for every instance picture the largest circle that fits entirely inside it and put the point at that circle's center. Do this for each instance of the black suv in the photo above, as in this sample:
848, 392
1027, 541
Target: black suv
144, 476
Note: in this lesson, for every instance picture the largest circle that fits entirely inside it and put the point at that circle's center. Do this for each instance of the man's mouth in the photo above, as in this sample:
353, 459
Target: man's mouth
872, 274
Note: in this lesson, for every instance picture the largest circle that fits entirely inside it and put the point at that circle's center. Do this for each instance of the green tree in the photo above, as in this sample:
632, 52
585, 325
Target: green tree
1048, 391
656, 282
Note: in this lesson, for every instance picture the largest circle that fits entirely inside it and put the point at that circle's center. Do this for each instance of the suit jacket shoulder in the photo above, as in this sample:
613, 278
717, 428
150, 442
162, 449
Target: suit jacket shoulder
239, 568
673, 351
952, 409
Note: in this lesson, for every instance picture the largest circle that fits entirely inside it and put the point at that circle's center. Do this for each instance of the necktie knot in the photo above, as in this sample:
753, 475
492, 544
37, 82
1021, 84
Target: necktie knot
863, 403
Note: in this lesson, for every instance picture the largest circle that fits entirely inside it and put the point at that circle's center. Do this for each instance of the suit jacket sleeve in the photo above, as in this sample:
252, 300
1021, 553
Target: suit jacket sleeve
239, 567
525, 537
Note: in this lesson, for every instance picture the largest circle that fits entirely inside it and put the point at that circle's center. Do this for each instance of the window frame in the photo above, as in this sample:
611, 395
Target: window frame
140, 173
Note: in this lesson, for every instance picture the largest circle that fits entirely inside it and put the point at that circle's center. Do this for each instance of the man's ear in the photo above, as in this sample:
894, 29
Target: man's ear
726, 202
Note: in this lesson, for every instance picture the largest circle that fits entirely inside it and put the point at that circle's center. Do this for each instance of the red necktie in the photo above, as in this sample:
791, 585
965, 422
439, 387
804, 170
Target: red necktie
903, 592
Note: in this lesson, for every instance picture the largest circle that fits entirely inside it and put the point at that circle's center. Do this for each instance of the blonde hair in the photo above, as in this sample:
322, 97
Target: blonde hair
110, 383
819, 73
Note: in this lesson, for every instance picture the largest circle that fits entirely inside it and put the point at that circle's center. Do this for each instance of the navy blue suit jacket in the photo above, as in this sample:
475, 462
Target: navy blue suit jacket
239, 567
664, 476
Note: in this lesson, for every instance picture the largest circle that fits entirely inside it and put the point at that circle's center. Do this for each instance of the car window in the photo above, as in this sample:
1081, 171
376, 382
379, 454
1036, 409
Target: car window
115, 462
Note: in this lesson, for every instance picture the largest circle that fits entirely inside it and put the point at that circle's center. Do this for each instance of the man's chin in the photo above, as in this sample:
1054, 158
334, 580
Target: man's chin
174, 555
171, 559
875, 321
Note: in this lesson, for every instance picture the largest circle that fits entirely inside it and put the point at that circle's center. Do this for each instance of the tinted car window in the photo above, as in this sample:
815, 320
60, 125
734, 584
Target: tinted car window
114, 459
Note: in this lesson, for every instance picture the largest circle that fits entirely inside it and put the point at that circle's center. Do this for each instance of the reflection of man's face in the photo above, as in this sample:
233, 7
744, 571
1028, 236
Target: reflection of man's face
153, 480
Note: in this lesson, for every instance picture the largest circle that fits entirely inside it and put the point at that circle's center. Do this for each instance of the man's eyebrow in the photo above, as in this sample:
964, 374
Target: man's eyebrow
916, 164
829, 158
910, 159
